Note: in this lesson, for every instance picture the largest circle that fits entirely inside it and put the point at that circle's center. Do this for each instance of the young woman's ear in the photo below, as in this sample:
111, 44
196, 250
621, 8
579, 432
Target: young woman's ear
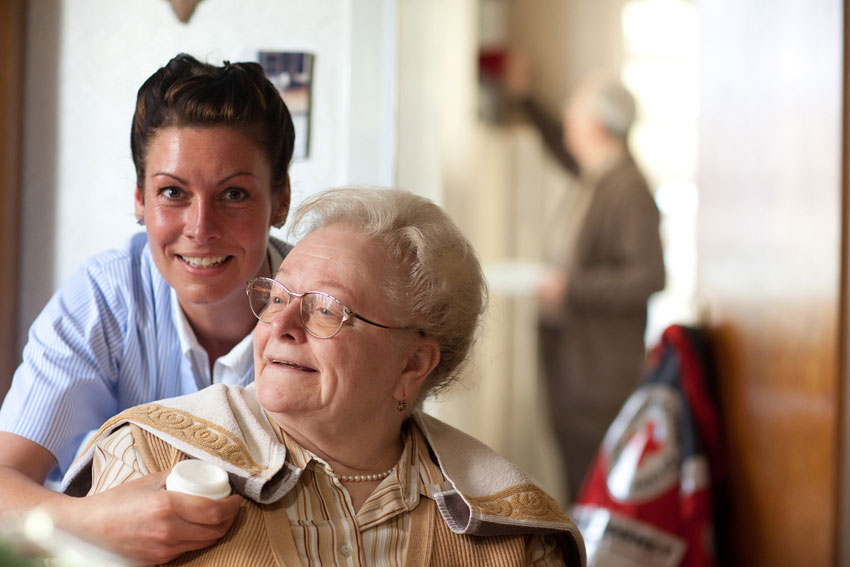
281, 201
139, 206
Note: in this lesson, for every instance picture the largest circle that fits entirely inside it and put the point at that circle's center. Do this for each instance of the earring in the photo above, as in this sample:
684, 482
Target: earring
402, 405
140, 221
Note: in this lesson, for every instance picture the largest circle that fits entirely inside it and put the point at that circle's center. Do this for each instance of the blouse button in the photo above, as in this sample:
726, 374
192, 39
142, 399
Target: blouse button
346, 550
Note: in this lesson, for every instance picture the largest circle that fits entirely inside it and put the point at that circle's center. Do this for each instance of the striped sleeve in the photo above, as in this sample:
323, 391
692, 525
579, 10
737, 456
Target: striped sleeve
116, 461
69, 363
543, 551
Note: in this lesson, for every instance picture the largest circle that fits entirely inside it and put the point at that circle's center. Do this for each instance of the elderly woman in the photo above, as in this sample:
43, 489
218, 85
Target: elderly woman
371, 312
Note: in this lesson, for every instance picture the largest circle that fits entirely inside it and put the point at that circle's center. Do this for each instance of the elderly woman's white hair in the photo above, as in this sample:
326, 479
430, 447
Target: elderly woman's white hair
438, 285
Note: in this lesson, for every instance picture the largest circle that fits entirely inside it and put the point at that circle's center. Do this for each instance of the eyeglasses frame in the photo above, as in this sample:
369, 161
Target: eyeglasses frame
348, 313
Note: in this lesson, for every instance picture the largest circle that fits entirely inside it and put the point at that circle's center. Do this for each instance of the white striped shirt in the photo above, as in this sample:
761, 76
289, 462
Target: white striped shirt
110, 338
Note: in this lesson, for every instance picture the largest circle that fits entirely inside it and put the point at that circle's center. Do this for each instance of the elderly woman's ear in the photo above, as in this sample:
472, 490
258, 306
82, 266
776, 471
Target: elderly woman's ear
420, 363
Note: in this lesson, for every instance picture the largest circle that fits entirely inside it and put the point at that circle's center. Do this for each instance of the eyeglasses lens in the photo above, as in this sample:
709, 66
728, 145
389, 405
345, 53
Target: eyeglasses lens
322, 315
266, 299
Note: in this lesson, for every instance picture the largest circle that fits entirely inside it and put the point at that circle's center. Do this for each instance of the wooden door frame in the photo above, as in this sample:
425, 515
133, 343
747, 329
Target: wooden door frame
771, 270
12, 48
842, 552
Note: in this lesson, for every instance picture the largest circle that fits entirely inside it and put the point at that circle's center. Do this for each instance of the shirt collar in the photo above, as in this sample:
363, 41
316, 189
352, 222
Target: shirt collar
415, 475
229, 369
188, 341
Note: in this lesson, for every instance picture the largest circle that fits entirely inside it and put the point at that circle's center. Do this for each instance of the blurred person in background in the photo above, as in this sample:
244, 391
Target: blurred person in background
164, 316
605, 261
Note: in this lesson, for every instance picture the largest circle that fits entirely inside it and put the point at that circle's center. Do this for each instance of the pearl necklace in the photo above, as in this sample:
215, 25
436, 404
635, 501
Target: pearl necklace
362, 477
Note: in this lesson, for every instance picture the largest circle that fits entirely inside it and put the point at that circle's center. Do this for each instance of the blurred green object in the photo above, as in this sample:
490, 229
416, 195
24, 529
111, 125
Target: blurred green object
31, 539
10, 558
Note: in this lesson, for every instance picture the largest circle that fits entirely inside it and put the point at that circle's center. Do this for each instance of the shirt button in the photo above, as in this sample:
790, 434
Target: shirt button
346, 550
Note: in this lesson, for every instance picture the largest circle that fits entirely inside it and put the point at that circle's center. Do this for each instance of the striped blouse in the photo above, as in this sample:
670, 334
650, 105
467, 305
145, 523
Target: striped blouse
326, 528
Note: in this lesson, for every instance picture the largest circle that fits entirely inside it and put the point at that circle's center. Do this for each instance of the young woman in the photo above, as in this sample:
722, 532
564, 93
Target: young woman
166, 315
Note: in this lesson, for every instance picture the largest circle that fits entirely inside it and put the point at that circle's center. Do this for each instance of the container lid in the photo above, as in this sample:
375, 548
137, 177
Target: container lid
199, 478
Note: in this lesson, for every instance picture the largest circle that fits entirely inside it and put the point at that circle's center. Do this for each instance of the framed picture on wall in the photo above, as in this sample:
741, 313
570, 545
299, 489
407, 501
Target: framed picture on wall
292, 73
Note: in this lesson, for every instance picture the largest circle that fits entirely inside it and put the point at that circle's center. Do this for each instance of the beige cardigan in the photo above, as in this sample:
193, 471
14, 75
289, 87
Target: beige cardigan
486, 495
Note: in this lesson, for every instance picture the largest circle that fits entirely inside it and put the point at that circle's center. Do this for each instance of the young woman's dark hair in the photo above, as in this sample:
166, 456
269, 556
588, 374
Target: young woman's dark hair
186, 92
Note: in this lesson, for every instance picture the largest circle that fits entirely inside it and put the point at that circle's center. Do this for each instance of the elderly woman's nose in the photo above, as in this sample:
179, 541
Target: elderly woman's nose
287, 321
202, 221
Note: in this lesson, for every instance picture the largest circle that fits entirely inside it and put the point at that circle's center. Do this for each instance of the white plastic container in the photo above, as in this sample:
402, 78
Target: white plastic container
199, 478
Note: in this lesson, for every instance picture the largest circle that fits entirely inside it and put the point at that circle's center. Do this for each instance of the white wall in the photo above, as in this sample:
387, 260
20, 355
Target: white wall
436, 80
86, 60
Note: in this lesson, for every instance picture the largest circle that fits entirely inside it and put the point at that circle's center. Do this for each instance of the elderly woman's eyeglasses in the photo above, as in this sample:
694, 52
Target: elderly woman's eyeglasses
322, 315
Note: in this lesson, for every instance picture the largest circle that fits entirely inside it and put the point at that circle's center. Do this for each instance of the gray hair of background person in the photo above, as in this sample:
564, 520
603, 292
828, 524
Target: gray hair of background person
437, 284
186, 92
613, 105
